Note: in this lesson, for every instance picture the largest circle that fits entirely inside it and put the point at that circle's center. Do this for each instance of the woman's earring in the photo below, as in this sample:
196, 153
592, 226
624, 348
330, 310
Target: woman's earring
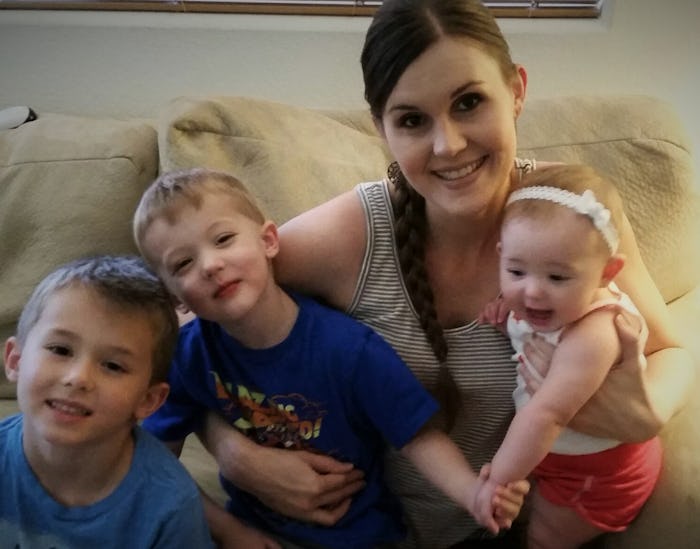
393, 172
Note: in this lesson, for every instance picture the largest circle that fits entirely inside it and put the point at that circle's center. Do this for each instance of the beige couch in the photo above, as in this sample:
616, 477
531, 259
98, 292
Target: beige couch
68, 186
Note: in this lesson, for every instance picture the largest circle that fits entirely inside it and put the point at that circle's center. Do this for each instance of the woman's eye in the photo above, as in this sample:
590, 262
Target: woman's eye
468, 101
410, 120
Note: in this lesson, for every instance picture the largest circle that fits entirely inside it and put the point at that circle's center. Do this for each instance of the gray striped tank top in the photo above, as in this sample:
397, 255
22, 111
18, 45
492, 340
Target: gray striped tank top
478, 360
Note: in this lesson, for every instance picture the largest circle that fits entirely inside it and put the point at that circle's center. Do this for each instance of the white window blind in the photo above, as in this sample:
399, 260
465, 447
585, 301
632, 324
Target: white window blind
501, 8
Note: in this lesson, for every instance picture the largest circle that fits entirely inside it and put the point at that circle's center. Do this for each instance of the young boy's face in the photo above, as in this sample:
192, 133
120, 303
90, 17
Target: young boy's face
83, 374
215, 260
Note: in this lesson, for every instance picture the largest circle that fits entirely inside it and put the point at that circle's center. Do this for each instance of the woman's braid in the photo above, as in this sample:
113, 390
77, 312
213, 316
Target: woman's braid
410, 234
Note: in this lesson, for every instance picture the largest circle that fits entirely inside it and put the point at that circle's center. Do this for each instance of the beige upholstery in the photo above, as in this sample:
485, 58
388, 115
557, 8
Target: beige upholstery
68, 186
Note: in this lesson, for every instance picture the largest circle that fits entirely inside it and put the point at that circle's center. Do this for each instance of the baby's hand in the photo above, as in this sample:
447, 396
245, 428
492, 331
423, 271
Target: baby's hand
508, 500
495, 506
495, 312
483, 508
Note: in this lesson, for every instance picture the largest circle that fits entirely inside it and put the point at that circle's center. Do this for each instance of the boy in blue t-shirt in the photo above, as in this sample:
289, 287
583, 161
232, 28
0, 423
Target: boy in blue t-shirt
286, 370
90, 359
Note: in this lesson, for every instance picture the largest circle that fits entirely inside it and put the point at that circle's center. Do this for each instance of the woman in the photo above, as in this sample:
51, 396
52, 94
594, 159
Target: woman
415, 258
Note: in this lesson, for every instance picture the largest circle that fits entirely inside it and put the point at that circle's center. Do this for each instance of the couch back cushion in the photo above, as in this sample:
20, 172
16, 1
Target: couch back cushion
294, 158
68, 188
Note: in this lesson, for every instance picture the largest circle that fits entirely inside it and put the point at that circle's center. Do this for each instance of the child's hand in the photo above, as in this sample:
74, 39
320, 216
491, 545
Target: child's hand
495, 312
483, 507
508, 500
496, 506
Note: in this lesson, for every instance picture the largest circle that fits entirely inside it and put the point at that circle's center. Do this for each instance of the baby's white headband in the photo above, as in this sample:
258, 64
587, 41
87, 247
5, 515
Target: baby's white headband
585, 204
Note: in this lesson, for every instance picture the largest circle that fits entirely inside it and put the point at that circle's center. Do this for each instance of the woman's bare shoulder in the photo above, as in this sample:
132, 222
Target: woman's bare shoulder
321, 250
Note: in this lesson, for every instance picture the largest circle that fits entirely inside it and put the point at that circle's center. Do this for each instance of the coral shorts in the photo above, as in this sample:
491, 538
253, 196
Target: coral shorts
607, 488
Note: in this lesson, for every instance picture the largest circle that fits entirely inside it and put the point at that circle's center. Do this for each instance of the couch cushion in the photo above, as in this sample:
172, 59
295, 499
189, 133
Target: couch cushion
291, 158
68, 188
294, 158
639, 143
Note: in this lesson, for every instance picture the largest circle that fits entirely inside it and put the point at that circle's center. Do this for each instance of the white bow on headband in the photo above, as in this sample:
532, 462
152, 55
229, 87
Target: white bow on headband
585, 204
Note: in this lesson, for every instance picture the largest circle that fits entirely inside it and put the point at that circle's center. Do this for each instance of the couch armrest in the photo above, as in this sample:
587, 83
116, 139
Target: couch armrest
670, 517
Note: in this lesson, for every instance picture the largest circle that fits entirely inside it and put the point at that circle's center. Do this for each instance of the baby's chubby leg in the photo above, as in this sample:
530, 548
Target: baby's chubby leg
555, 527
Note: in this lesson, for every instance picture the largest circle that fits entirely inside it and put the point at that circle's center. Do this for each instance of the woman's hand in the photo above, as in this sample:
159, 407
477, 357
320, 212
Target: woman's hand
539, 354
297, 484
621, 408
622, 404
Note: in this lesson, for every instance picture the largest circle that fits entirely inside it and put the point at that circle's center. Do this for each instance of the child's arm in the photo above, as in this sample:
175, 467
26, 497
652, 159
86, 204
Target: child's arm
231, 533
228, 531
441, 462
579, 366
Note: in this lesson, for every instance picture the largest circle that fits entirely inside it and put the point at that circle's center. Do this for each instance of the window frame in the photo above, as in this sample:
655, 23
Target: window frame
365, 8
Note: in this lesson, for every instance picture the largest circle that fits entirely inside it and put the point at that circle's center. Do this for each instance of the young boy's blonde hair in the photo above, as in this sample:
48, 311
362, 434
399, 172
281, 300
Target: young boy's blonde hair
171, 191
568, 177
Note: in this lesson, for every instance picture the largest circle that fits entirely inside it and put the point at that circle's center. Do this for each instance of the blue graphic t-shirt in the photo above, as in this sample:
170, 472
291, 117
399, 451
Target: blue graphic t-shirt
333, 386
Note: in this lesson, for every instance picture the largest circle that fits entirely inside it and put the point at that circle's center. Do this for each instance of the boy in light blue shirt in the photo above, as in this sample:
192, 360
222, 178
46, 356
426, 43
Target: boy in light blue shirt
90, 359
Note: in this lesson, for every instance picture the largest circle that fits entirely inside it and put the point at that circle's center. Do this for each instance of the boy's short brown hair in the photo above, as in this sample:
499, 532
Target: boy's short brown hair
123, 281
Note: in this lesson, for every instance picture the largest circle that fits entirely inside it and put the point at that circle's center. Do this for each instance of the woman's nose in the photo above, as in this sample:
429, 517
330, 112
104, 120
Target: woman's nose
448, 139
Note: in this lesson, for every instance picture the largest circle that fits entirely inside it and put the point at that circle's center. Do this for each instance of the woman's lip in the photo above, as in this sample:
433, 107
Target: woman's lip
459, 173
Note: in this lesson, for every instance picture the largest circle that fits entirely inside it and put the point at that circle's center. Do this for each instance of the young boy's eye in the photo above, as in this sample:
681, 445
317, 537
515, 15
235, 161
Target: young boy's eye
60, 350
180, 265
558, 278
224, 238
468, 101
516, 272
113, 366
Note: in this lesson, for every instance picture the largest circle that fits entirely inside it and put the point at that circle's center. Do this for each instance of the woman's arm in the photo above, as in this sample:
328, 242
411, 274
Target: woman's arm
297, 484
635, 401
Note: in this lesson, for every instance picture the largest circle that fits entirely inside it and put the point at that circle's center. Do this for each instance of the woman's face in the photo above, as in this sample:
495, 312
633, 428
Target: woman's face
450, 124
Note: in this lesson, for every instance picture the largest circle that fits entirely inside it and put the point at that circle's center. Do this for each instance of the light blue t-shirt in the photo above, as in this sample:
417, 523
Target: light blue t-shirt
157, 504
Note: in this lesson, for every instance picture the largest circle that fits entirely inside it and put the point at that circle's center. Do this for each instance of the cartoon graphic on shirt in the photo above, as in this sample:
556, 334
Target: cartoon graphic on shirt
282, 421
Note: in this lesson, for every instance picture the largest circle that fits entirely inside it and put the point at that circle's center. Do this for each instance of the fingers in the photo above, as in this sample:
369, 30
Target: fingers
628, 326
272, 544
337, 488
326, 464
532, 383
508, 500
539, 353
329, 515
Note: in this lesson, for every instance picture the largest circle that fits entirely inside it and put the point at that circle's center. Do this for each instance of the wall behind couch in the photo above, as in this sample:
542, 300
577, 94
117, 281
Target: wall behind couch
129, 64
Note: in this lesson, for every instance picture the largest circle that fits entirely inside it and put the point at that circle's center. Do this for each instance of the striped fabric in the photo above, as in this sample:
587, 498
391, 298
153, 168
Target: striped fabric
478, 359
